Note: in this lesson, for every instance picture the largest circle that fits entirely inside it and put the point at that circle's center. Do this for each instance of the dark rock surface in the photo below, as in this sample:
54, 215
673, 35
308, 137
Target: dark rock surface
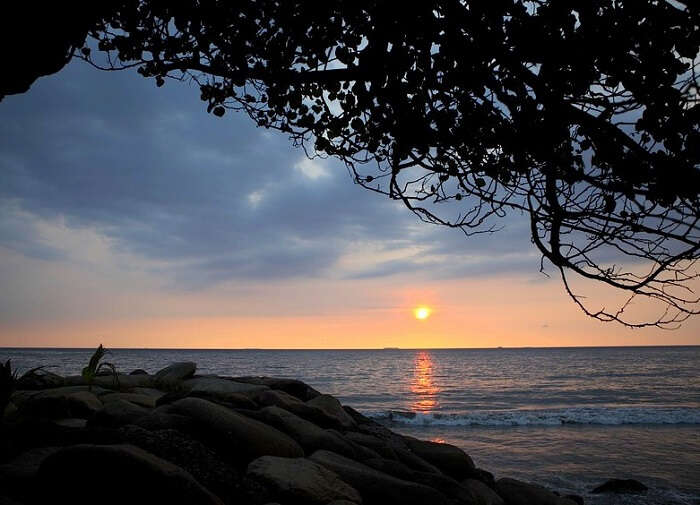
621, 486
175, 437
76, 475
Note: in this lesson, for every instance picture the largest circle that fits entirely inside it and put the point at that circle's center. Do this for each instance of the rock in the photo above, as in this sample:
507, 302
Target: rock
575, 498
391, 467
83, 404
515, 492
218, 385
190, 455
76, 475
376, 444
621, 486
74, 423
175, 373
375, 486
245, 439
111, 381
118, 413
413, 461
333, 409
162, 418
135, 398
294, 387
277, 398
155, 393
299, 480
446, 485
17, 476
138, 371
307, 434
451, 460
483, 494
39, 379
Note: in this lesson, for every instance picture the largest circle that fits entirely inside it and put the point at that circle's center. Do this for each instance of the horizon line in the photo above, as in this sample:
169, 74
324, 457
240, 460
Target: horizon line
385, 348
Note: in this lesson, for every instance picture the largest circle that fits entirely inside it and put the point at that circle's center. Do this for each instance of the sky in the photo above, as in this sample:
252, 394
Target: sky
131, 217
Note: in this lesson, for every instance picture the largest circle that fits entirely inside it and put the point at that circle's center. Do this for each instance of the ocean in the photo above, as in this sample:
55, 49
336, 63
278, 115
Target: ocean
566, 418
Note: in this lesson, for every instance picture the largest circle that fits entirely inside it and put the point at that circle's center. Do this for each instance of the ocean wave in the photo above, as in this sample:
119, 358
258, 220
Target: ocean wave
551, 417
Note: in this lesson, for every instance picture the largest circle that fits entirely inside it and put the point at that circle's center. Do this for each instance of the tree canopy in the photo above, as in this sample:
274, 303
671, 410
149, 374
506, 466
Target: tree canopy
581, 115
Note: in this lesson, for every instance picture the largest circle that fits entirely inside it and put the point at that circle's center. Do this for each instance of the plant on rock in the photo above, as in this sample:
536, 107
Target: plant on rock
96, 365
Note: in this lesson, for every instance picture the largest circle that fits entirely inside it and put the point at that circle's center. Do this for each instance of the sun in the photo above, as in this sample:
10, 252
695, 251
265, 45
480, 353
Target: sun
421, 313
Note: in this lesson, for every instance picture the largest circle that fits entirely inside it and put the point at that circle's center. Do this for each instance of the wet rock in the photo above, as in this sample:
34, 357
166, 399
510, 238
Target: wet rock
175, 373
76, 475
515, 492
245, 439
372, 442
451, 460
483, 494
377, 487
299, 480
333, 409
294, 387
138, 371
118, 413
307, 434
621, 486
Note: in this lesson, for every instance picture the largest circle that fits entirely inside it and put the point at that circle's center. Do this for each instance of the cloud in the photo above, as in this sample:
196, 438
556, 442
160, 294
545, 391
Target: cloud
202, 200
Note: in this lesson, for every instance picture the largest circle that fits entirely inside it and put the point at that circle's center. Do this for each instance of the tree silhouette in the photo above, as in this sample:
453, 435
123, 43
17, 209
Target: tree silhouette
581, 115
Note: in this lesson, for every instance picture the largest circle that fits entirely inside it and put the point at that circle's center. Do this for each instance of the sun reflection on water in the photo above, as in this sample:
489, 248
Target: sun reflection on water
422, 385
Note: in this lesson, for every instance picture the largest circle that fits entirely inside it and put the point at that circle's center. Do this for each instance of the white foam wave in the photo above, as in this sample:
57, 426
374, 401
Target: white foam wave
553, 417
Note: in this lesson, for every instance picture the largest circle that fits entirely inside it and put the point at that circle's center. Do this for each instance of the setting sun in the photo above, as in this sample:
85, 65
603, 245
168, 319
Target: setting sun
421, 312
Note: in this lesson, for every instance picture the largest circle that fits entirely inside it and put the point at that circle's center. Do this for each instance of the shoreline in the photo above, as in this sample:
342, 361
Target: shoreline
248, 440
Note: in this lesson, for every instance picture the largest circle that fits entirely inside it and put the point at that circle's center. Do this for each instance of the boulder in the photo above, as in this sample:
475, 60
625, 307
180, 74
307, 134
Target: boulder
155, 393
218, 385
135, 398
190, 455
451, 460
307, 434
376, 487
83, 404
138, 371
74, 423
39, 379
299, 480
17, 476
118, 413
294, 387
621, 486
483, 494
163, 418
245, 439
575, 498
111, 381
376, 444
77, 475
333, 409
413, 461
515, 492
172, 374
391, 467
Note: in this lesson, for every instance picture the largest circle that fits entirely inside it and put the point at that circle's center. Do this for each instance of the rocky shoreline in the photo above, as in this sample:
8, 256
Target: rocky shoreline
177, 437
